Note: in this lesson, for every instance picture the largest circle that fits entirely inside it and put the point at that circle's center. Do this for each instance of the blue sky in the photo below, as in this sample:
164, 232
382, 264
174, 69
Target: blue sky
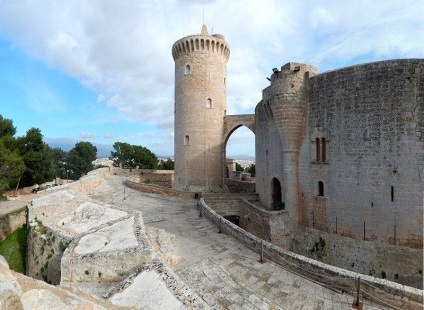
102, 71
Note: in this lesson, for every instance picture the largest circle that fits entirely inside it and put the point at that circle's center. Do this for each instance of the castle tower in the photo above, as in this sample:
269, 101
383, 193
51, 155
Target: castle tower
288, 101
200, 107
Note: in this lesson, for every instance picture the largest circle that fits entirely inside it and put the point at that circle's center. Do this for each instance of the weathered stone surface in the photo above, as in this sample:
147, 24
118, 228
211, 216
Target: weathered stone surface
147, 292
10, 291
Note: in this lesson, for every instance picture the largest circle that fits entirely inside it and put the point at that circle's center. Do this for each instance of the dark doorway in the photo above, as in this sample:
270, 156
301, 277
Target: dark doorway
277, 203
235, 219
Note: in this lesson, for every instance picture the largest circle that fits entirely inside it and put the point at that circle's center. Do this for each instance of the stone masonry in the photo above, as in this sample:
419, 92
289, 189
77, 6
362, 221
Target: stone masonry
341, 152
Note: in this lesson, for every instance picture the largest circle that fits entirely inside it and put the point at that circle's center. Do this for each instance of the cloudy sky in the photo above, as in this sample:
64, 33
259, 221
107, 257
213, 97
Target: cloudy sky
102, 71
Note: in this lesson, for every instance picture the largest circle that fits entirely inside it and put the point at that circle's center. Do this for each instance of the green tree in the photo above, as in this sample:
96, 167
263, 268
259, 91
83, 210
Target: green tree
251, 169
12, 165
166, 164
132, 156
6, 127
144, 158
59, 162
37, 157
239, 167
12, 168
79, 159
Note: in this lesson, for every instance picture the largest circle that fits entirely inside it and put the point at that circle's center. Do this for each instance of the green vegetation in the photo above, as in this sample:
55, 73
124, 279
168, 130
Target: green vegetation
87, 272
13, 248
318, 249
80, 159
63, 246
251, 169
239, 167
396, 276
132, 156
28, 160
166, 164
383, 274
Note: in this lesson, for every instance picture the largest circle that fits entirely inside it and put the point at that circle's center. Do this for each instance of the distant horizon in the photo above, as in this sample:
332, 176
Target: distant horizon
104, 150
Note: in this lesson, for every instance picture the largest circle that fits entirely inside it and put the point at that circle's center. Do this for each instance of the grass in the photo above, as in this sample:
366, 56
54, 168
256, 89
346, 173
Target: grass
13, 249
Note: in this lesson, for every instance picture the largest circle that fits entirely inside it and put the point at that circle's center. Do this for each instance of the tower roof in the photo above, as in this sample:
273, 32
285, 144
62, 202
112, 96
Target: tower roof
204, 31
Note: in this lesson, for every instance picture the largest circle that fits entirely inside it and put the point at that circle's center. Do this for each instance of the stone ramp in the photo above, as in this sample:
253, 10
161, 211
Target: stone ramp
221, 271
239, 281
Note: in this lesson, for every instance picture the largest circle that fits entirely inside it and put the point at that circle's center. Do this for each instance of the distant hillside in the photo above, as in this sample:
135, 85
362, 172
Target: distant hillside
242, 157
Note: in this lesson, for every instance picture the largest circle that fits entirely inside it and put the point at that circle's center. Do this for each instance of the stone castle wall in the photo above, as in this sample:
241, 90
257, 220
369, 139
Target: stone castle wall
44, 253
372, 119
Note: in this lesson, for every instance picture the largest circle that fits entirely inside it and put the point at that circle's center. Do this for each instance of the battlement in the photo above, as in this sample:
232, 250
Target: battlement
293, 67
204, 42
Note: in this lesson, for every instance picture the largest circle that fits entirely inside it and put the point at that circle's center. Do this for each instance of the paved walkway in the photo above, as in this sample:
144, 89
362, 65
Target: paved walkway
222, 271
9, 206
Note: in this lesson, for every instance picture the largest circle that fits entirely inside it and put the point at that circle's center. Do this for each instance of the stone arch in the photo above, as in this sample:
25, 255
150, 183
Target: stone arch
232, 122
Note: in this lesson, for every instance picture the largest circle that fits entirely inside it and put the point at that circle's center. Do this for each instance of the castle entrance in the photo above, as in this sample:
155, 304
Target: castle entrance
277, 196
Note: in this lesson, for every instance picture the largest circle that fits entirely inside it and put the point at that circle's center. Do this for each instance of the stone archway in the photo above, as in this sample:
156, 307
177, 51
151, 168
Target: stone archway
231, 124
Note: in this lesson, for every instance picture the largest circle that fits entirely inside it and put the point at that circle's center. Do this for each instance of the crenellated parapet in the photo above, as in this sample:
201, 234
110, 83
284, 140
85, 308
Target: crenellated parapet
213, 44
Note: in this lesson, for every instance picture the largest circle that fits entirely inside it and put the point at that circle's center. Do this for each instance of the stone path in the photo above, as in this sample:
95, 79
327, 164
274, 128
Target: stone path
9, 206
220, 270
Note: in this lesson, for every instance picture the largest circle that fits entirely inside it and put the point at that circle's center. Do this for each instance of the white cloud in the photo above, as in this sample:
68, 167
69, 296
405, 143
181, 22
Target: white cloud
87, 135
122, 49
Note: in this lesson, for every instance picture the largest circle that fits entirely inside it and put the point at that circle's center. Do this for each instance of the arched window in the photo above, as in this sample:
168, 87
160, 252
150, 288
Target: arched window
186, 140
187, 70
324, 149
209, 103
320, 189
317, 149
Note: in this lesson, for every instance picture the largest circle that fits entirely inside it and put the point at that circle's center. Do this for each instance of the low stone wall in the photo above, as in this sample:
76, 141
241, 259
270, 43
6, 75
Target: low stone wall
10, 222
397, 263
378, 290
237, 186
134, 183
163, 178
270, 225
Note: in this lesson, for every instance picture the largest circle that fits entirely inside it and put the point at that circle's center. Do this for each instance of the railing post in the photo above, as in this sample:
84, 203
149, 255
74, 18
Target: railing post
357, 304
219, 227
262, 260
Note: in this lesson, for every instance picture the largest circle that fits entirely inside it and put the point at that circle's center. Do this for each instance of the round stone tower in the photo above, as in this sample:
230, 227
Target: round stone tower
200, 107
